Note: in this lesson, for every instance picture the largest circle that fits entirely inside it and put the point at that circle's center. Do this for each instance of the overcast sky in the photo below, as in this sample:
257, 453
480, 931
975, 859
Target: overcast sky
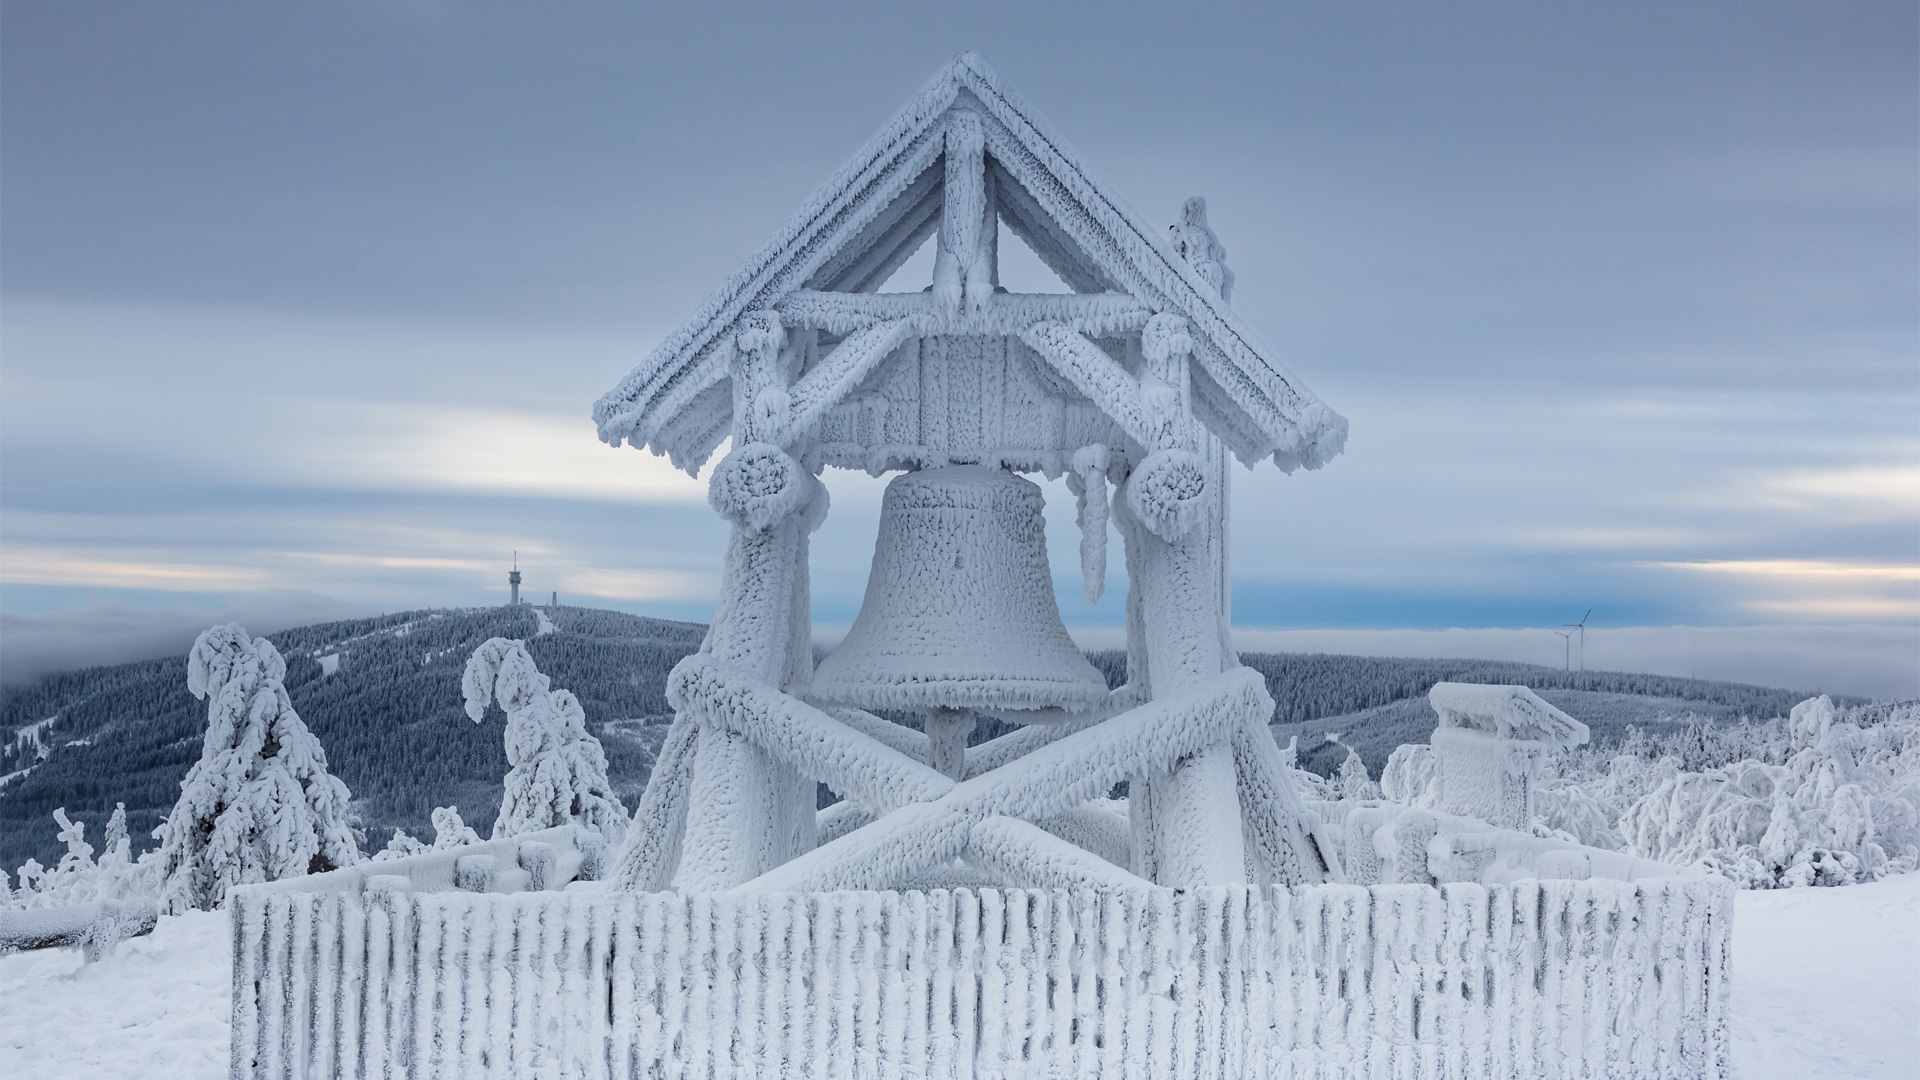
303, 307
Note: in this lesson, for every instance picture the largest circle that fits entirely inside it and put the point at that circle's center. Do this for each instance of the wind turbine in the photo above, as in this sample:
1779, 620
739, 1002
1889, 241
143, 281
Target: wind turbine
1566, 639
1582, 627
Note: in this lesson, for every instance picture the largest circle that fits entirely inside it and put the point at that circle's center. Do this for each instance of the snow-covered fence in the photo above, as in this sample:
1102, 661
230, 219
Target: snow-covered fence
1523, 979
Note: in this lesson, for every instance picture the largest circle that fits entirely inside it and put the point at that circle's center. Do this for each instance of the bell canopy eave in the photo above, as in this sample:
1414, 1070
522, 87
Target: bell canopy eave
1257, 407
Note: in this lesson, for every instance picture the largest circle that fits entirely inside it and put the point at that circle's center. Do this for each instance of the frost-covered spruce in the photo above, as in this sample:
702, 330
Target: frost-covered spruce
558, 772
259, 805
449, 830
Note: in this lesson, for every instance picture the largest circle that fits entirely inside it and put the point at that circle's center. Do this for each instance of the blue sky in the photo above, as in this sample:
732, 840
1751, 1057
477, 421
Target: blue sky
302, 308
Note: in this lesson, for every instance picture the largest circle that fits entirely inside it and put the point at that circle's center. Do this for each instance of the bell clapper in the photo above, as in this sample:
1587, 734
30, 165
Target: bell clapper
947, 731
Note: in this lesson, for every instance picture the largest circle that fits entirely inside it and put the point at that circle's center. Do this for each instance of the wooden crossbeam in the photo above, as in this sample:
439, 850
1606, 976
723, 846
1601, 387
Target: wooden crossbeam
1285, 836
858, 766
1096, 375
647, 862
902, 738
1028, 856
1052, 780
1102, 313
840, 371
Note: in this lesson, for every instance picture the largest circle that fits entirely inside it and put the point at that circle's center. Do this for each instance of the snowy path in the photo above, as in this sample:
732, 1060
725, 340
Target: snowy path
1826, 984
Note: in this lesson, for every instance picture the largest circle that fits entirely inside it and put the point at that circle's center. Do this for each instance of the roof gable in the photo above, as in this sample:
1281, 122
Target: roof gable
884, 202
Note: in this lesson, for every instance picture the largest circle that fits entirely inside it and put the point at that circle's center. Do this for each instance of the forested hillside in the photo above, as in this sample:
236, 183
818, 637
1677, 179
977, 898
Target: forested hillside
381, 694
383, 697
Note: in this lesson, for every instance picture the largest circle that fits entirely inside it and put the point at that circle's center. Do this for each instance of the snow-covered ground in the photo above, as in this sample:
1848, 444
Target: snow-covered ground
1826, 984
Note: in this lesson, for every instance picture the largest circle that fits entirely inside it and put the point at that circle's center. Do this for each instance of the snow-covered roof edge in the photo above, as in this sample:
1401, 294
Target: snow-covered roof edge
1277, 415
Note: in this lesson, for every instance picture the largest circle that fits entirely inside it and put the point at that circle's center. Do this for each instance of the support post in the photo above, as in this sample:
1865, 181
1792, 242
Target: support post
741, 816
1193, 832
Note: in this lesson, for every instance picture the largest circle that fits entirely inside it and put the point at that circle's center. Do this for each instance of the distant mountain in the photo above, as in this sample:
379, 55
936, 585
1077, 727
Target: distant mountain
383, 697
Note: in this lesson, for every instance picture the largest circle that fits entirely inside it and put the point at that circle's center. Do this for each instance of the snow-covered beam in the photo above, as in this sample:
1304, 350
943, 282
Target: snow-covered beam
900, 737
1101, 314
963, 269
647, 862
840, 371
1096, 375
838, 820
1103, 832
856, 765
1036, 229
915, 211
1049, 781
1026, 856
1288, 839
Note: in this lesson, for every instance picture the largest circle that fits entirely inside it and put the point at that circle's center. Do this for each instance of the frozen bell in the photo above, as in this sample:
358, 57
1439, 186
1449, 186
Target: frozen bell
959, 611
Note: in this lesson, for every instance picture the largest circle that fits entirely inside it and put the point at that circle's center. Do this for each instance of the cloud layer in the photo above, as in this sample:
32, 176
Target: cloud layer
1621, 304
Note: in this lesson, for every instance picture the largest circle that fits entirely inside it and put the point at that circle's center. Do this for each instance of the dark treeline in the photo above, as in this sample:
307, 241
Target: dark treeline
391, 720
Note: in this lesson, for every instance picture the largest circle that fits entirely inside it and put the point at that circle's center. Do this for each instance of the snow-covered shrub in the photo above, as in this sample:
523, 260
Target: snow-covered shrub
449, 830
400, 845
558, 773
1354, 781
79, 878
1310, 785
1843, 806
260, 804
1410, 776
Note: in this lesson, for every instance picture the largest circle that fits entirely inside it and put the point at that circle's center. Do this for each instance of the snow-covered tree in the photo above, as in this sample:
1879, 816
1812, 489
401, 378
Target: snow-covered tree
260, 804
400, 845
1838, 802
558, 772
449, 830
1354, 781
116, 832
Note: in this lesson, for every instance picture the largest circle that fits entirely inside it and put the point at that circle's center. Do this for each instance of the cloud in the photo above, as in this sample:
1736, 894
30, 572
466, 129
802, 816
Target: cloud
111, 632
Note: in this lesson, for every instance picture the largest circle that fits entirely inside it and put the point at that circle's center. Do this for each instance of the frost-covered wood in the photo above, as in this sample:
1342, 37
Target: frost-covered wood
965, 150
570, 852
95, 927
1463, 982
1051, 780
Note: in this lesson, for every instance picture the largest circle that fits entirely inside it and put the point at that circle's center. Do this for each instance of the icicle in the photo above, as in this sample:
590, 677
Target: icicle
1088, 482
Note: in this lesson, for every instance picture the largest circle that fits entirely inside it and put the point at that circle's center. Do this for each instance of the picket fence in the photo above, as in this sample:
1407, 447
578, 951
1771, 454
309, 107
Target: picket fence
1529, 979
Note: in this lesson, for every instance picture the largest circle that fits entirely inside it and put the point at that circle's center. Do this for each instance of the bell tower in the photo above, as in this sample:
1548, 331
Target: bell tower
1136, 384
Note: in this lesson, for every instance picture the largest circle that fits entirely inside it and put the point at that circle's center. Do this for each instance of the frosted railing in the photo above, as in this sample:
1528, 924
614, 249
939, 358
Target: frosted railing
1518, 980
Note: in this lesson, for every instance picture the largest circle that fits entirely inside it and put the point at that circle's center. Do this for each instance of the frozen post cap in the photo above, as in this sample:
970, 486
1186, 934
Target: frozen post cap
1508, 712
1491, 746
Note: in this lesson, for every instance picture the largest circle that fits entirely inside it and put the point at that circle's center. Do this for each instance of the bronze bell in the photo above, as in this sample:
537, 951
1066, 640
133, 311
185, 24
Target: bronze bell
959, 611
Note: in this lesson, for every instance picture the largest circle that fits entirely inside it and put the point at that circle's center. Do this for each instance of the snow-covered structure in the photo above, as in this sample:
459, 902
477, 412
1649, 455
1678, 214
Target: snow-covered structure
980, 907
1491, 748
1137, 382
